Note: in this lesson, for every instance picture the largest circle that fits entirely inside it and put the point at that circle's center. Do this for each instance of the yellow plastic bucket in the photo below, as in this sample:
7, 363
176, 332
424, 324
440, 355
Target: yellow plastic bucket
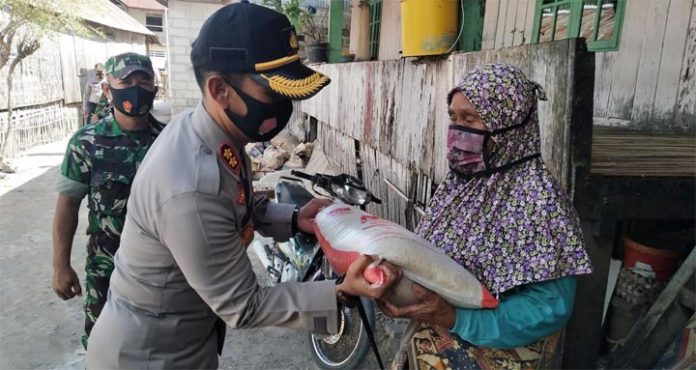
428, 27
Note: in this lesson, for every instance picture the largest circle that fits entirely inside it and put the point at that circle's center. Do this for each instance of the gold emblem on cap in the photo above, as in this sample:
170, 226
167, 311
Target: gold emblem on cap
296, 88
265, 66
293, 40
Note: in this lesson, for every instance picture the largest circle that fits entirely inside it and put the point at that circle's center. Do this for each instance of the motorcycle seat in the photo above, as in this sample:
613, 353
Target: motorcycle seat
291, 192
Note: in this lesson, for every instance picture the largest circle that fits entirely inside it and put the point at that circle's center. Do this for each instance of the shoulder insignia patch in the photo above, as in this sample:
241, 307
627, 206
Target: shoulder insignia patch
230, 157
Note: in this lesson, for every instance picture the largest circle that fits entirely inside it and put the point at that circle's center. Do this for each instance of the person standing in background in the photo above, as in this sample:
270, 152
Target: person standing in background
104, 107
93, 93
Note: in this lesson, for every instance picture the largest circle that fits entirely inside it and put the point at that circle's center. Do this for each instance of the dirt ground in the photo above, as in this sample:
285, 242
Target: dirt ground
40, 331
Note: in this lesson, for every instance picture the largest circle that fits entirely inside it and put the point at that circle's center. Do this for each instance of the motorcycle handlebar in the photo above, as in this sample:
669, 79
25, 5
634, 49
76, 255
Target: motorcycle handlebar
302, 175
318, 179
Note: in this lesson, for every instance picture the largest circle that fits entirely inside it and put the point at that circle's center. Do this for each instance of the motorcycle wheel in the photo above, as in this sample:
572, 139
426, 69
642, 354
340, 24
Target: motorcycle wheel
348, 348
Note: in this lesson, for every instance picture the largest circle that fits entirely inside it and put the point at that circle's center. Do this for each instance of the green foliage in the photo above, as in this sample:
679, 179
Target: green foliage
47, 16
298, 17
313, 27
23, 24
35, 19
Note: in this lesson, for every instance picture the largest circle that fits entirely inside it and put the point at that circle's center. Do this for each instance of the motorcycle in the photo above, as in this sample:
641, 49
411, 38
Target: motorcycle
302, 259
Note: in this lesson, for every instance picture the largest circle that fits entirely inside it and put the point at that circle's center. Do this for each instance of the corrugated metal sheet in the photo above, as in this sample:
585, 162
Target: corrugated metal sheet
106, 13
144, 4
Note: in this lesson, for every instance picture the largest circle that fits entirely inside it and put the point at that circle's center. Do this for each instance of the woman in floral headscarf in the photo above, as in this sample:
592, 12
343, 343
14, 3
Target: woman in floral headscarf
502, 215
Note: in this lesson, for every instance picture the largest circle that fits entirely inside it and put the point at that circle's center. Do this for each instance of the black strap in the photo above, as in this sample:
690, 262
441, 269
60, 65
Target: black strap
370, 334
247, 191
502, 168
220, 331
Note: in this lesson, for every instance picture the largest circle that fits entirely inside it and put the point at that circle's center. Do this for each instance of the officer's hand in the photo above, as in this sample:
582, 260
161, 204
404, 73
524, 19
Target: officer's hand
305, 219
66, 283
85, 114
356, 285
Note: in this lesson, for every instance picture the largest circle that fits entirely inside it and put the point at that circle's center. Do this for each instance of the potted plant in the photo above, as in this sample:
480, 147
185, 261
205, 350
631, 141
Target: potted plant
314, 31
310, 26
291, 9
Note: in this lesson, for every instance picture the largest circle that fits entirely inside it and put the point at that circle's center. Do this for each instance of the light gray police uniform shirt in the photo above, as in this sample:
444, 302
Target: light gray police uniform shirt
182, 264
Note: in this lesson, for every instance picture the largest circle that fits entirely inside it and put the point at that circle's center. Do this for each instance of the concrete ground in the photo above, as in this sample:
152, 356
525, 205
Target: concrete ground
40, 331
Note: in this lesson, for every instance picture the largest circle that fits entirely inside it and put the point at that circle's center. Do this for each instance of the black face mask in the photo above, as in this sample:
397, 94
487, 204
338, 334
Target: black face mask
133, 101
257, 125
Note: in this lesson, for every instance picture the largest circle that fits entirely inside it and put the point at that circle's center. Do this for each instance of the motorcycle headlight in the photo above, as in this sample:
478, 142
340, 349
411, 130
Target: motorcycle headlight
351, 194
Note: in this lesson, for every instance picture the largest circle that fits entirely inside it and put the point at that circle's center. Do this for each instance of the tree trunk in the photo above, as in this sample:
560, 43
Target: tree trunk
8, 130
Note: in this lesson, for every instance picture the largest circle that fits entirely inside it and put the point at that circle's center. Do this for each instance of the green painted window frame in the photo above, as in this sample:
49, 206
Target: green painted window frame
576, 13
472, 26
375, 21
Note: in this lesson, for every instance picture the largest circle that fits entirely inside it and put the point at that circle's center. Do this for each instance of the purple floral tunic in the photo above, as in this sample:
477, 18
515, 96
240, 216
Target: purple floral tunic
513, 227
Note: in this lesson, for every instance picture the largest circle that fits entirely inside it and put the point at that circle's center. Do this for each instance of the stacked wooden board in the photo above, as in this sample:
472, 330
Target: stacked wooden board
621, 152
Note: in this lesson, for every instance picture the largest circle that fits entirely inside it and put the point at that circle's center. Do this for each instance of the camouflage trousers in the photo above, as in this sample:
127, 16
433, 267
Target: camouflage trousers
98, 268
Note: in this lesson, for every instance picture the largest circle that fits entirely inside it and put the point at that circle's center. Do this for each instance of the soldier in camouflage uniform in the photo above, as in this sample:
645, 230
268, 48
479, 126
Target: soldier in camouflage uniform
100, 162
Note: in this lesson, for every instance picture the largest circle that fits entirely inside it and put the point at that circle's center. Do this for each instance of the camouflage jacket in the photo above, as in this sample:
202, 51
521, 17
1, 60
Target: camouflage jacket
103, 108
100, 162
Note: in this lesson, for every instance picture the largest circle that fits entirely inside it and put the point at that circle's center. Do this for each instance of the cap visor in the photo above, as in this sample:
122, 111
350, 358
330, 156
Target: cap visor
124, 72
294, 80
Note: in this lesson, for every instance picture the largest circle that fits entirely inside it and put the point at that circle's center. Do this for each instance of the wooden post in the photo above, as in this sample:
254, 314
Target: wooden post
360, 30
335, 31
582, 339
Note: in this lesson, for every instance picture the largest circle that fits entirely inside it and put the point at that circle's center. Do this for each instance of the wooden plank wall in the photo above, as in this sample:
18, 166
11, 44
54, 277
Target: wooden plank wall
57, 71
507, 23
648, 83
394, 114
48, 85
36, 80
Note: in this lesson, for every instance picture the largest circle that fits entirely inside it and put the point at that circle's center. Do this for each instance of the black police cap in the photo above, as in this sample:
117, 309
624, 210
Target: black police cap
252, 39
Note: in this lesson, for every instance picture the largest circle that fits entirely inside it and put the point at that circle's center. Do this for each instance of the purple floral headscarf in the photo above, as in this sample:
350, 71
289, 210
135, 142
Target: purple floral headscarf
513, 227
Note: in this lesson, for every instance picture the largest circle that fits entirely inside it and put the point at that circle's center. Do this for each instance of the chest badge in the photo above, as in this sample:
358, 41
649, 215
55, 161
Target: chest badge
247, 234
241, 195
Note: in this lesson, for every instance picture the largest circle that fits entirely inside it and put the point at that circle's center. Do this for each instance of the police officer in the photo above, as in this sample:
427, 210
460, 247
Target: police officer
100, 162
183, 261
92, 93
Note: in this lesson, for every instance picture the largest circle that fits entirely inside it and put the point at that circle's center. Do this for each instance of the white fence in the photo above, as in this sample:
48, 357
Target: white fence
39, 125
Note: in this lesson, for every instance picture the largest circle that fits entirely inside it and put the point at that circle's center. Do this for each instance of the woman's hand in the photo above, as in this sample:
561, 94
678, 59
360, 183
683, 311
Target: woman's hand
355, 284
432, 308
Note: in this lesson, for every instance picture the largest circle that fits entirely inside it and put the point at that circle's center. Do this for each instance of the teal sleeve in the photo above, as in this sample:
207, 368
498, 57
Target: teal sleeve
534, 312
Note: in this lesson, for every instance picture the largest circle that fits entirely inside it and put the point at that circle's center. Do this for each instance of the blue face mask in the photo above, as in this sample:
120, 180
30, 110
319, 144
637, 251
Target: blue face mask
133, 101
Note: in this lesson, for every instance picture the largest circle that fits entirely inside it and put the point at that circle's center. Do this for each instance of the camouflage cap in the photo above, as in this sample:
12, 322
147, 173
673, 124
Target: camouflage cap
120, 66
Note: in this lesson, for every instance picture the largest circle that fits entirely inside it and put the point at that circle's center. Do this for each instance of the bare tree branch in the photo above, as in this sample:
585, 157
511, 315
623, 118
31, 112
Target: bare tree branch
33, 20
